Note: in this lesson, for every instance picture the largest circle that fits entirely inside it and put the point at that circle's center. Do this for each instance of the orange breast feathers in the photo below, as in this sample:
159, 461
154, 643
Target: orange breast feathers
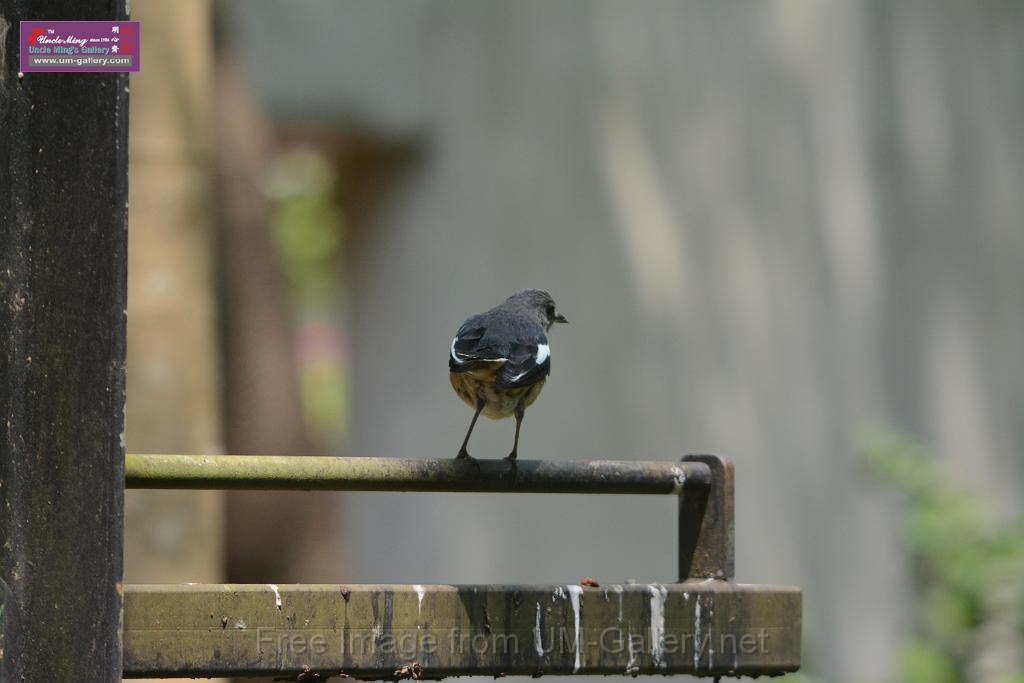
498, 402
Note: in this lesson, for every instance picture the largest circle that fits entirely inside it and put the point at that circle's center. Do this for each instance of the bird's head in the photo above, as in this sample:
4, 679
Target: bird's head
540, 303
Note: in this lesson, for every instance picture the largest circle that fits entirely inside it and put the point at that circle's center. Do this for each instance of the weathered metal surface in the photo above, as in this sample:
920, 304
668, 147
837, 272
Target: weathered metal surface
707, 524
389, 631
704, 484
63, 205
708, 627
394, 474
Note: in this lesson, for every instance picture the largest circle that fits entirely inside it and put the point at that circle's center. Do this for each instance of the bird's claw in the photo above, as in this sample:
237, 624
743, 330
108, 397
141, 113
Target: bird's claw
464, 455
511, 459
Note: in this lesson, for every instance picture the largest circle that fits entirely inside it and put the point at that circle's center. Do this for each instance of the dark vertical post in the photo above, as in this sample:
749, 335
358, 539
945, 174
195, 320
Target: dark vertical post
706, 524
63, 212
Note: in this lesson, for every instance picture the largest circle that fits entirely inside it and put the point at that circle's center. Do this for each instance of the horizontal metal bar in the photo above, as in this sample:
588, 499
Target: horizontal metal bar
155, 471
712, 628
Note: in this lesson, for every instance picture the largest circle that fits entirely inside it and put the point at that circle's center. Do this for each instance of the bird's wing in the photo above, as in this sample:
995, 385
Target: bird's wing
472, 347
529, 362
518, 351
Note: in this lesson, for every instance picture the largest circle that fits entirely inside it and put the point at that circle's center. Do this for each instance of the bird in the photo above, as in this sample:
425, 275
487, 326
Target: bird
499, 360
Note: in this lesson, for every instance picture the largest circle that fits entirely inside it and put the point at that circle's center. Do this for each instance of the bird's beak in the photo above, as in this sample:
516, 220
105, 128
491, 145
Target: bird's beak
559, 318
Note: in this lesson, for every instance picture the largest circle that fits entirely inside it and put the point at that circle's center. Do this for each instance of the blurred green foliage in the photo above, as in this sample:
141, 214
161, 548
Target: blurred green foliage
307, 228
306, 225
968, 572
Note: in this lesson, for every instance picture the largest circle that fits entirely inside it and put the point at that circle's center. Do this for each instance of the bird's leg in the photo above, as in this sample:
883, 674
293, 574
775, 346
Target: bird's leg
463, 453
511, 457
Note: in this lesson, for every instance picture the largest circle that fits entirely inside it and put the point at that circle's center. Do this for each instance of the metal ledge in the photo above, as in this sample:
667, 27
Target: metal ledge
299, 632
328, 473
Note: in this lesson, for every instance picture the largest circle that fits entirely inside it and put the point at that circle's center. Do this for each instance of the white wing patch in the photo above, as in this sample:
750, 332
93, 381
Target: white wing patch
457, 357
543, 351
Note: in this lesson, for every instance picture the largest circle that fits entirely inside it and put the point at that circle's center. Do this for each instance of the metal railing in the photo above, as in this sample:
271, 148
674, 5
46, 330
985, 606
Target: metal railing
266, 629
703, 484
328, 473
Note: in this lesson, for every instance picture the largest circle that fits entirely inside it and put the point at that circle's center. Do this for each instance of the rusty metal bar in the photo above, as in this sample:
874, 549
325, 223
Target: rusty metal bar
156, 471
312, 632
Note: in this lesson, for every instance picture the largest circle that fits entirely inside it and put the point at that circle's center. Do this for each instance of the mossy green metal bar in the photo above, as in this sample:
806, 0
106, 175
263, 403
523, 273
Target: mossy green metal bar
328, 473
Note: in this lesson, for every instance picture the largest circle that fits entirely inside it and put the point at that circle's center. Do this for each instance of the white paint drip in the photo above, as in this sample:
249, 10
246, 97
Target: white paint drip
696, 635
559, 593
658, 596
618, 589
711, 641
538, 642
680, 480
277, 594
574, 593
631, 668
420, 592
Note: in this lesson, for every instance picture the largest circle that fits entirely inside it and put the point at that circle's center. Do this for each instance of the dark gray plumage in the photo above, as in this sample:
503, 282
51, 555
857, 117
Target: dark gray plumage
499, 360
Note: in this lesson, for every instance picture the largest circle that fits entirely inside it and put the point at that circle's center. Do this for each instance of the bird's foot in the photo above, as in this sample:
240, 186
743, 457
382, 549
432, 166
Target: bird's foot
511, 458
464, 455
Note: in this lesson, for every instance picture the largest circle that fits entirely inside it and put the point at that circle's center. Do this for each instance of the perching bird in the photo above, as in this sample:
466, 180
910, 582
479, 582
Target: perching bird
500, 359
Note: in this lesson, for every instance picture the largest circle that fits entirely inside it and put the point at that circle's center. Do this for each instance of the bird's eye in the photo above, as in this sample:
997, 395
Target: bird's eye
551, 310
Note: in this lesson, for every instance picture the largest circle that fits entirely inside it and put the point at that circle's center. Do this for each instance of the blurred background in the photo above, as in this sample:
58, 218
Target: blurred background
786, 231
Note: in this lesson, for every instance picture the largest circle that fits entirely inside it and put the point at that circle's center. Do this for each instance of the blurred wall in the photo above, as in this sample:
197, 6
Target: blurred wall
173, 401
770, 223
273, 536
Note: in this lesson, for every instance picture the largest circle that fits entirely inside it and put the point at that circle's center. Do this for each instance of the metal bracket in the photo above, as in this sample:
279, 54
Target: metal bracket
707, 524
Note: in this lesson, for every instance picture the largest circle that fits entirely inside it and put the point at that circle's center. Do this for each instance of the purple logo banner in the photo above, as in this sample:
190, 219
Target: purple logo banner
79, 46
